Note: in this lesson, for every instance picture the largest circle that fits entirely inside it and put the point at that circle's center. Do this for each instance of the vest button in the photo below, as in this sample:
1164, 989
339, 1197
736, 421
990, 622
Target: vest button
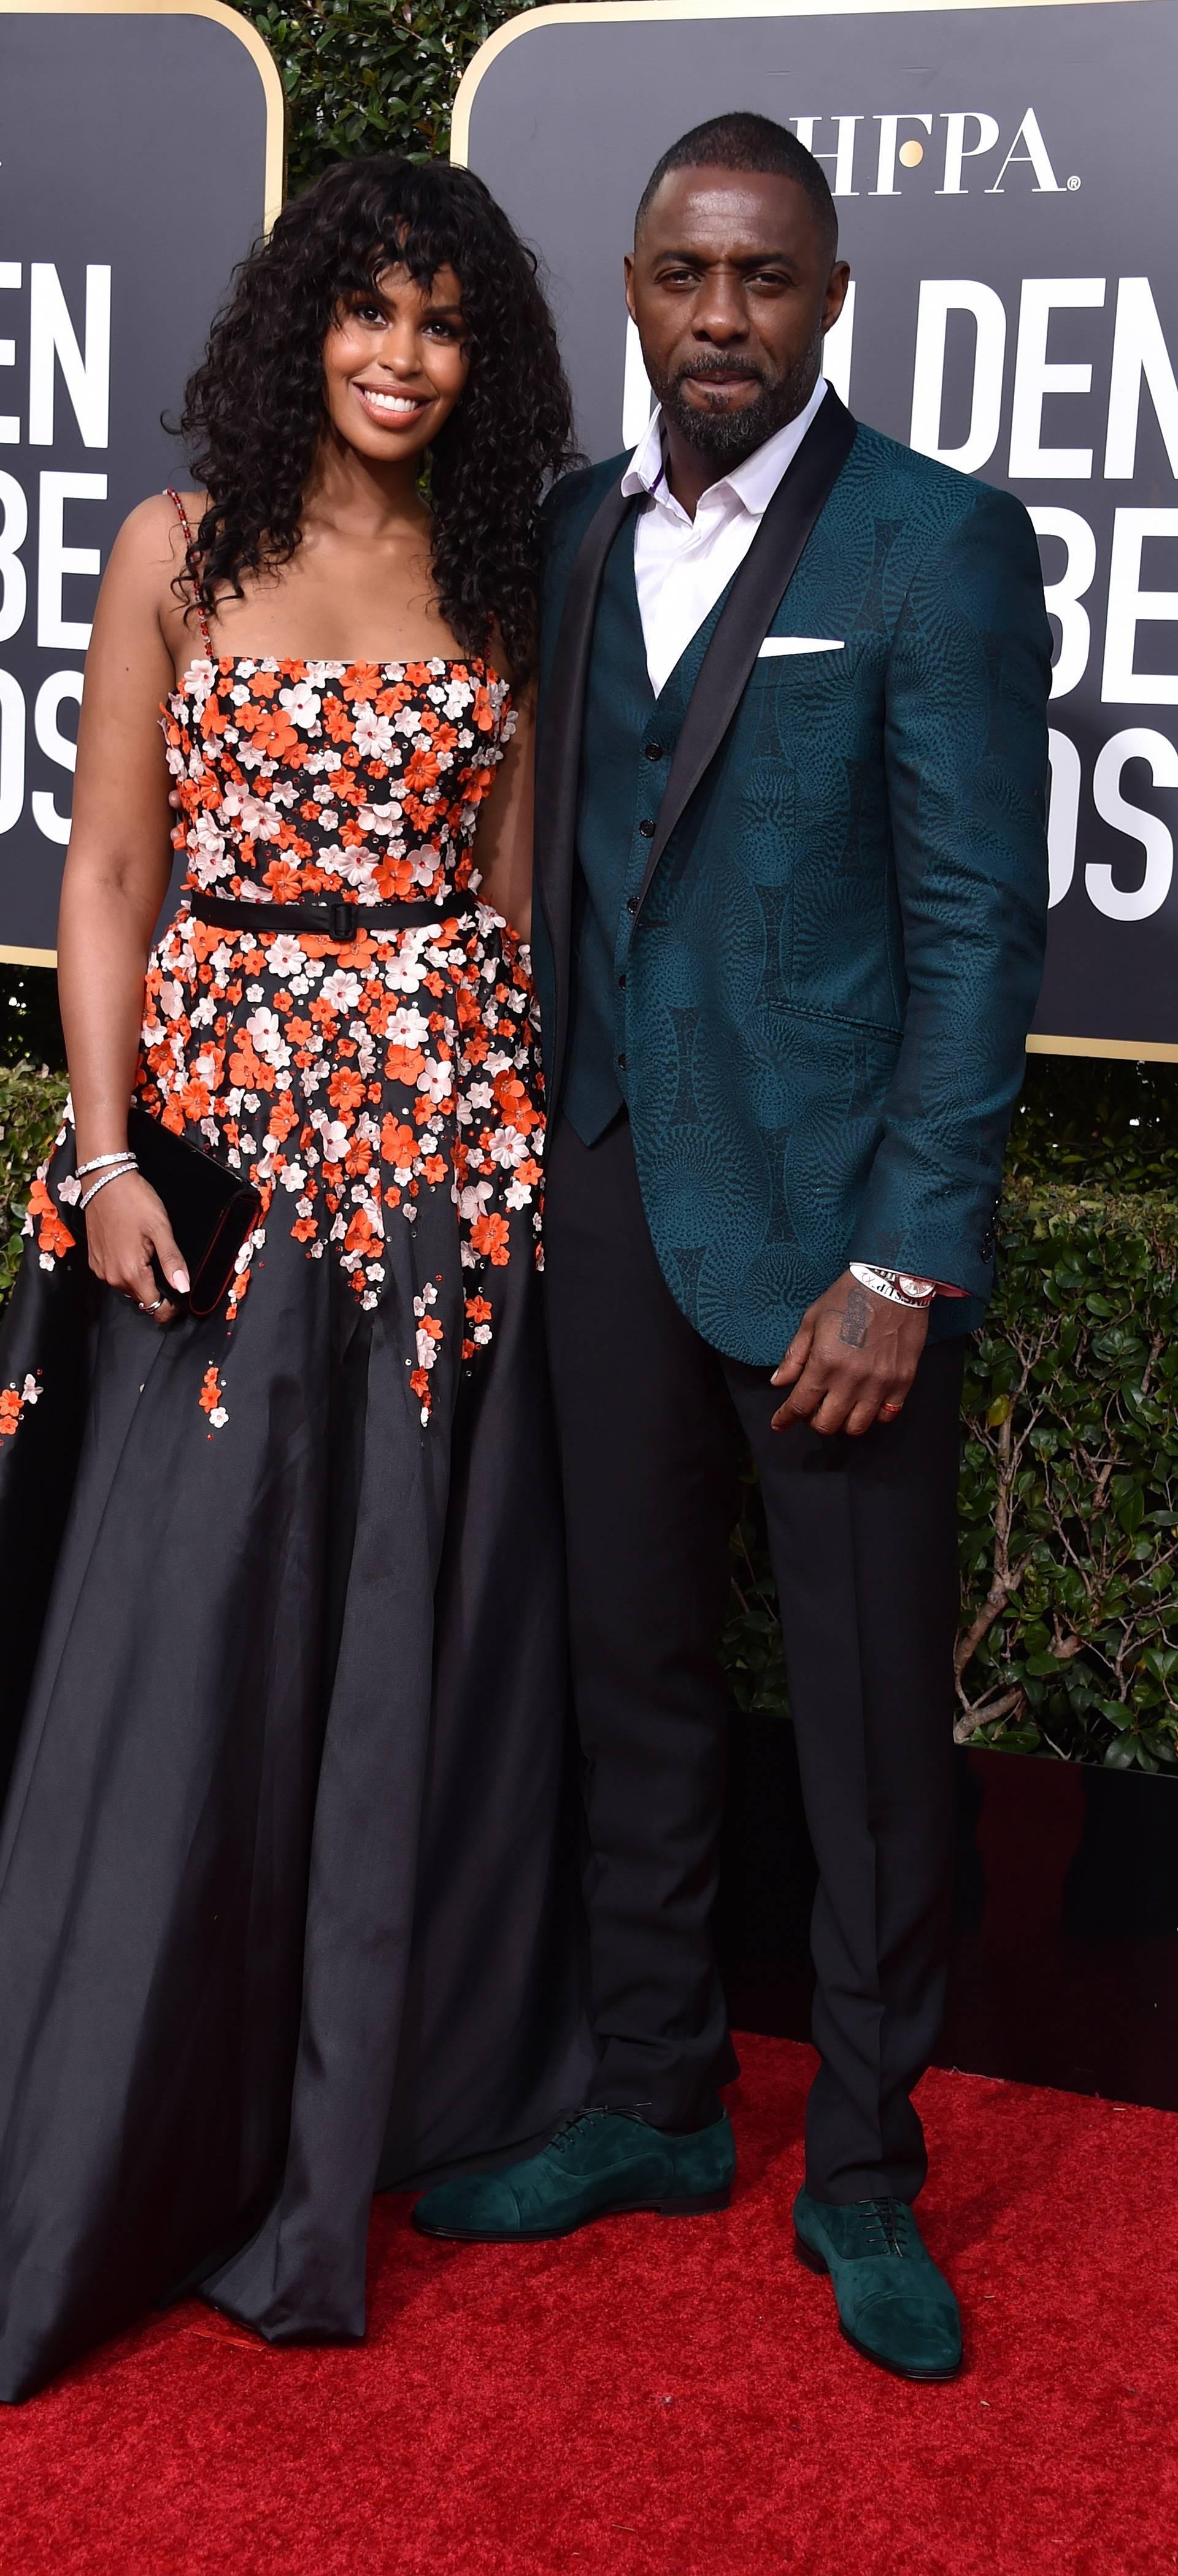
654, 751
631, 903
646, 828
622, 982
621, 1064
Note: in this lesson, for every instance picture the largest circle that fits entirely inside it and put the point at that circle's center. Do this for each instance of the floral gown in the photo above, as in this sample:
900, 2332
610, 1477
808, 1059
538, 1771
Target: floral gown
285, 1910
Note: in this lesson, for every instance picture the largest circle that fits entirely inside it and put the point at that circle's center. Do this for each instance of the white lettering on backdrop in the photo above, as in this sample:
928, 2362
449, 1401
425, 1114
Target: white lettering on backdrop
48, 572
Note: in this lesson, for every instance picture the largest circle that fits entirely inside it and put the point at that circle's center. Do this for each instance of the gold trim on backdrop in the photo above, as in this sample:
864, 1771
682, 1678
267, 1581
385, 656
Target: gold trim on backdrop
603, 13
260, 54
1130, 1050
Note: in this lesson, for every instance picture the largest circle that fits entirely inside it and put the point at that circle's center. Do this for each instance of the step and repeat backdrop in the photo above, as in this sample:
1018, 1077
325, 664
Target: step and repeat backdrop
1003, 182
1003, 179
140, 153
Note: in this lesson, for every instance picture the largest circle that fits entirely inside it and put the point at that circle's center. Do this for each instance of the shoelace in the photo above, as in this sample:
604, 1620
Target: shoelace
570, 2128
575, 2121
884, 2227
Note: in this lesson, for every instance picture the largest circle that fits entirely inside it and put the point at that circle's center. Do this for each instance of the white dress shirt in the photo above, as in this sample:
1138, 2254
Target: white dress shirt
681, 565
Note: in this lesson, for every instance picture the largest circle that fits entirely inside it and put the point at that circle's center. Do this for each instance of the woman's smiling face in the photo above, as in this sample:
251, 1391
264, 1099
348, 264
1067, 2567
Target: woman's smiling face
395, 362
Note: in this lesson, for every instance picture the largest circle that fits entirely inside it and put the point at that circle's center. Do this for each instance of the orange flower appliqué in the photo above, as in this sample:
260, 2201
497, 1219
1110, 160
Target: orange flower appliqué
212, 1400
13, 1402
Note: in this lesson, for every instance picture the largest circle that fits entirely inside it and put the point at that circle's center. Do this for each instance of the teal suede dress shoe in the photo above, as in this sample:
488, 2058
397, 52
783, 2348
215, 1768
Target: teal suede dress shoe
893, 2304
600, 2164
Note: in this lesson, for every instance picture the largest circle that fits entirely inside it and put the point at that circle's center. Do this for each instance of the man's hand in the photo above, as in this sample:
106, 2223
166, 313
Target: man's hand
851, 1360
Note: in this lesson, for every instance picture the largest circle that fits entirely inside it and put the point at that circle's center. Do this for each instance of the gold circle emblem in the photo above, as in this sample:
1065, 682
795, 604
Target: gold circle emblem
910, 154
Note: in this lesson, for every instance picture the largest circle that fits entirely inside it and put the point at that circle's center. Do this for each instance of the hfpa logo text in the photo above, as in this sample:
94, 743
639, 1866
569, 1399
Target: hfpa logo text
971, 136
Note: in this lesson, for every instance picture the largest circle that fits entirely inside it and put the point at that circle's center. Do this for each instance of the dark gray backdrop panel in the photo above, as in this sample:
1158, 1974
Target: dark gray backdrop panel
138, 141
566, 123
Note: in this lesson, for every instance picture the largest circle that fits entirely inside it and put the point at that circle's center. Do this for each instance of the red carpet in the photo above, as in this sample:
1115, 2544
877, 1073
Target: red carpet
667, 2398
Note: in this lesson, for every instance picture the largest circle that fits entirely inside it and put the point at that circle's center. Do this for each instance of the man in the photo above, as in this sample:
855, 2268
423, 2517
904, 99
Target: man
792, 884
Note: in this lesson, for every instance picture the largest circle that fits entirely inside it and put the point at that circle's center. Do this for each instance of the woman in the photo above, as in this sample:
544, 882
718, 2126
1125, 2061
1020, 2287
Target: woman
281, 1896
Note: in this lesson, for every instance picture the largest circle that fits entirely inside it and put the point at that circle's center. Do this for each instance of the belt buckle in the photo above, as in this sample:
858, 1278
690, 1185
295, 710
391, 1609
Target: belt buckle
340, 918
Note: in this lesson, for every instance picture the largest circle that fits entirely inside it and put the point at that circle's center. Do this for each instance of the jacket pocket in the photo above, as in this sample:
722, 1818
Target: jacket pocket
841, 1020
776, 647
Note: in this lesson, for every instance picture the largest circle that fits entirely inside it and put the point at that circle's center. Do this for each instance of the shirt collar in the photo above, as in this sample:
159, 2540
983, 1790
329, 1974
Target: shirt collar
751, 485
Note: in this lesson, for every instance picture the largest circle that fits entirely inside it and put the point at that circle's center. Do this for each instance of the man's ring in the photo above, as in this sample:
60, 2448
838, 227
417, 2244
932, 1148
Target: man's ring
153, 1309
887, 1412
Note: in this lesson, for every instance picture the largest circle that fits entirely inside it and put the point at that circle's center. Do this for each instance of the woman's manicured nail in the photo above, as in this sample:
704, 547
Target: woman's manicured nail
180, 1280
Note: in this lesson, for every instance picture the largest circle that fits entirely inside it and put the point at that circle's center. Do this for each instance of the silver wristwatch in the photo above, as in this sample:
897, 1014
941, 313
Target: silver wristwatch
898, 1286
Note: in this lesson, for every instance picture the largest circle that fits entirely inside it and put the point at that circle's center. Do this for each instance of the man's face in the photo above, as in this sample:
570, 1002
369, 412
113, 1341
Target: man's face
732, 288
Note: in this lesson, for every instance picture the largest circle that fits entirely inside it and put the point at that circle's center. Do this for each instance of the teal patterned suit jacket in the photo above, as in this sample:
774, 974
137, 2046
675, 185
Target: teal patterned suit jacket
835, 962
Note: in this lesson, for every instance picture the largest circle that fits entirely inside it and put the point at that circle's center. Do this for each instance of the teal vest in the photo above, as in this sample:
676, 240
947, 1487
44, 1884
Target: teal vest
628, 741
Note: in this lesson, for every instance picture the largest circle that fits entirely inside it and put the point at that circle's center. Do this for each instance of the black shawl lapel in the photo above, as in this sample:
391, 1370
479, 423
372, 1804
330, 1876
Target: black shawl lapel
757, 592
558, 759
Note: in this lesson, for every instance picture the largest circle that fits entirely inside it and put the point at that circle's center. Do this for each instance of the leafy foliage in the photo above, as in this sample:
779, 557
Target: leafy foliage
361, 76
30, 1105
1069, 1495
1070, 1487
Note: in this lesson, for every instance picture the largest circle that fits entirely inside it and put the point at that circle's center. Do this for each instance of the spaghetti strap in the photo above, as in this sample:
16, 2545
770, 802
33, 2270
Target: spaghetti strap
182, 515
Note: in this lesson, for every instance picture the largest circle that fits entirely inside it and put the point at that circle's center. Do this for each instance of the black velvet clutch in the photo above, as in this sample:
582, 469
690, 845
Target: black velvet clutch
210, 1209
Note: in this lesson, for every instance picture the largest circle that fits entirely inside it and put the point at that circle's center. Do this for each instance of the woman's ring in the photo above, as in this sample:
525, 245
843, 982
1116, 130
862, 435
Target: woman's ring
153, 1309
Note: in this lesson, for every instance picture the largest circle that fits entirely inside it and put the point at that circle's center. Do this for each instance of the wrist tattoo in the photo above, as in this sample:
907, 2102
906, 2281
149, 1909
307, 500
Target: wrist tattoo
855, 1317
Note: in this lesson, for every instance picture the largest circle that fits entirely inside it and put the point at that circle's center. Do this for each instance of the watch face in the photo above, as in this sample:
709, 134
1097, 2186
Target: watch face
912, 1287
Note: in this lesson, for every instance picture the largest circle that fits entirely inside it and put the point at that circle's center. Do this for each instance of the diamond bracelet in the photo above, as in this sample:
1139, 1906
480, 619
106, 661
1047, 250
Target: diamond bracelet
127, 1163
98, 1162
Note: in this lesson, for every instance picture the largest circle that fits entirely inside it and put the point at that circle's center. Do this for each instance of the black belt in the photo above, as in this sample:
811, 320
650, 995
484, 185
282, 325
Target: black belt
330, 919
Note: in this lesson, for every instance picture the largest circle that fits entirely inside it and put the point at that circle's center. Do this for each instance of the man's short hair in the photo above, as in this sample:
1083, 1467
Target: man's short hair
741, 141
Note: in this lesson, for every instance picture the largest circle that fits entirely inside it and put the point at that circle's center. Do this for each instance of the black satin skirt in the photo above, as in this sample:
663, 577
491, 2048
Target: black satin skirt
287, 1903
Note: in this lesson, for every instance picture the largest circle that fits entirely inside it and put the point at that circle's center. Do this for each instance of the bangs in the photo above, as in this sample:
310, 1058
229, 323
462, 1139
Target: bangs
416, 227
417, 253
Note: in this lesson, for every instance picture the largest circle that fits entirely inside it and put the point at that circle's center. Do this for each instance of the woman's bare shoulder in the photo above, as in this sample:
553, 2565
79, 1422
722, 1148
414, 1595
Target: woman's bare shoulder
148, 554
140, 592
152, 532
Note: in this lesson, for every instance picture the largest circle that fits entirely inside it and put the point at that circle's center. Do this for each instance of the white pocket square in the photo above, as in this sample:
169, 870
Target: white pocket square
800, 644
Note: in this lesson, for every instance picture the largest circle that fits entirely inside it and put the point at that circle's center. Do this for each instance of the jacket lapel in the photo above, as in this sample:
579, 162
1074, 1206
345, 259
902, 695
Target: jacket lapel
558, 758
756, 594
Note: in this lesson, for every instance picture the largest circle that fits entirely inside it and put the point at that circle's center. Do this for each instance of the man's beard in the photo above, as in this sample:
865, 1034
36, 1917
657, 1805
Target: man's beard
727, 437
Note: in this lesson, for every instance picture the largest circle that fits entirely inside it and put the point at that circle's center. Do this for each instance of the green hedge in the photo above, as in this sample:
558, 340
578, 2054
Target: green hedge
361, 76
30, 1106
1069, 1494
1070, 1485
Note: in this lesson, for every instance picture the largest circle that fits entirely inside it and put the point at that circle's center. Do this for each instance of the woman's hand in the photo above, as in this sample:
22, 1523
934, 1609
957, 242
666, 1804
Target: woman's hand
125, 1224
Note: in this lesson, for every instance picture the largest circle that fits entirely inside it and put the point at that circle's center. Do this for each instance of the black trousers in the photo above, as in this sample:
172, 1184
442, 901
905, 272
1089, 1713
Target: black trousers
863, 1540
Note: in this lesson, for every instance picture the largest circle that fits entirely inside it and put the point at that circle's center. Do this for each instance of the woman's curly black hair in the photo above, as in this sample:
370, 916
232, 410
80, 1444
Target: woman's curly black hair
254, 410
